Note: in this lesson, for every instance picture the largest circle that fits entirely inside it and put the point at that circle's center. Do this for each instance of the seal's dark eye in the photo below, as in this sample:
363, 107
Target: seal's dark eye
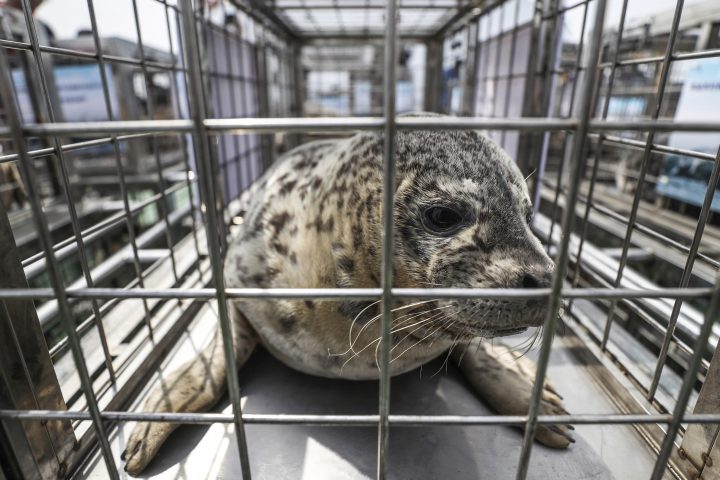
442, 220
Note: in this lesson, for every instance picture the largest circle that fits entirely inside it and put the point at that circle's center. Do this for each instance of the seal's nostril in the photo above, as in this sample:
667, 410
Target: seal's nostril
530, 281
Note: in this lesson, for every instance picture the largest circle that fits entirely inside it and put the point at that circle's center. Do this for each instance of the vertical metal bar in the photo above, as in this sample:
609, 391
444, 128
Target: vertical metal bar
509, 78
244, 171
577, 164
387, 251
664, 75
498, 50
469, 79
231, 81
687, 273
163, 203
28, 377
599, 149
53, 268
206, 77
213, 82
42, 447
124, 193
711, 317
552, 44
263, 92
576, 73
700, 442
175, 92
66, 188
202, 153
433, 71
526, 141
297, 79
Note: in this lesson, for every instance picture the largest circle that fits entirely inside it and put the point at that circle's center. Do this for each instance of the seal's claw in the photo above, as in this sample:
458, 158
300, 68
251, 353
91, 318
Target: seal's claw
553, 436
143, 444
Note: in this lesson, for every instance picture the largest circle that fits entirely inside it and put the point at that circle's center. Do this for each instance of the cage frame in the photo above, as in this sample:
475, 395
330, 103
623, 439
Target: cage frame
202, 127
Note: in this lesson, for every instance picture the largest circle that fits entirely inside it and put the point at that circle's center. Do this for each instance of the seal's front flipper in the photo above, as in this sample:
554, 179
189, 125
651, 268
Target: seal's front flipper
194, 387
504, 380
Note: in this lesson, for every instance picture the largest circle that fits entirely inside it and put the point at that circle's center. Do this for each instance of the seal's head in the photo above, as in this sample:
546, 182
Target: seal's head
462, 216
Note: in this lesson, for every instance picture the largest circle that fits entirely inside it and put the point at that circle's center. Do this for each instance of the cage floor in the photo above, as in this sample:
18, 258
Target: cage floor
457, 452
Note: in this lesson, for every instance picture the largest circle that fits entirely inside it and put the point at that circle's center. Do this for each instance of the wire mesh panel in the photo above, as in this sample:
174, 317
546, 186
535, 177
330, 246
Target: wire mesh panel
123, 161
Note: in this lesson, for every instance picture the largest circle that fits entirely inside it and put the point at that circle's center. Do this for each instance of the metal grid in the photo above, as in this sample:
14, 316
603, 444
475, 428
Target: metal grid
207, 122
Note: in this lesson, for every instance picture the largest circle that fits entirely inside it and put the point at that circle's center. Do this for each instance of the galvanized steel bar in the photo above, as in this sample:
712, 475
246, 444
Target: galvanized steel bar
311, 124
656, 147
363, 420
662, 82
360, 293
26, 168
35, 264
391, 42
202, 154
712, 53
79, 54
647, 230
687, 274
163, 204
563, 160
69, 147
125, 194
577, 163
598, 152
66, 187
688, 385
175, 92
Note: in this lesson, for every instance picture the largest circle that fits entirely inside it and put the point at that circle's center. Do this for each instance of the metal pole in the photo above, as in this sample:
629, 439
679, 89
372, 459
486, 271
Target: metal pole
599, 148
387, 252
577, 164
687, 273
66, 187
688, 385
202, 154
53, 268
664, 75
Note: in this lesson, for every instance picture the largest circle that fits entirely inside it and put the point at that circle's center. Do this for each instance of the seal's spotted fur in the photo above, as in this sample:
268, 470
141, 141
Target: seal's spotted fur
315, 220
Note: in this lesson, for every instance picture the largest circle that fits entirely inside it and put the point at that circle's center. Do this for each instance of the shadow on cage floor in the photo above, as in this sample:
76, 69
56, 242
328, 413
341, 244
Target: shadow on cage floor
300, 452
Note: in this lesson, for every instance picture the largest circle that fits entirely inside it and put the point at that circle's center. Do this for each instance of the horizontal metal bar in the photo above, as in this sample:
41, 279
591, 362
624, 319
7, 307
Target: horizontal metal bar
271, 125
564, 9
67, 52
364, 6
298, 124
119, 126
35, 265
543, 124
485, 123
659, 58
43, 152
361, 293
639, 227
361, 420
656, 148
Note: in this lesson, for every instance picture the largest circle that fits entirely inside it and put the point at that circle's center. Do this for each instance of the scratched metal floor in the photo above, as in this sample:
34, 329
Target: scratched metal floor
299, 452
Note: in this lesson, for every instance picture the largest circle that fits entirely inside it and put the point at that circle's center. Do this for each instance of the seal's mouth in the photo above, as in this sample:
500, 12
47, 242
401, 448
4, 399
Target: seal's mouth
486, 331
504, 332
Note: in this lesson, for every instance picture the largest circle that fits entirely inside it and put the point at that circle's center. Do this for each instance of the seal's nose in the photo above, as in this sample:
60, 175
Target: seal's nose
535, 279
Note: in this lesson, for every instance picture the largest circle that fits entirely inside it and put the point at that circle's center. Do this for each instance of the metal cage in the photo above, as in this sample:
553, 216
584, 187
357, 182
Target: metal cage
114, 225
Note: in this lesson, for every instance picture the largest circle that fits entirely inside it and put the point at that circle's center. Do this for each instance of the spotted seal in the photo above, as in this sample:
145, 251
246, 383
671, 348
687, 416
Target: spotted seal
462, 219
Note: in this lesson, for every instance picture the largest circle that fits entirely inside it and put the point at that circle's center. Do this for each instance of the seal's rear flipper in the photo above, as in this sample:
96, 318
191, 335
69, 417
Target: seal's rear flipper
194, 387
504, 380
